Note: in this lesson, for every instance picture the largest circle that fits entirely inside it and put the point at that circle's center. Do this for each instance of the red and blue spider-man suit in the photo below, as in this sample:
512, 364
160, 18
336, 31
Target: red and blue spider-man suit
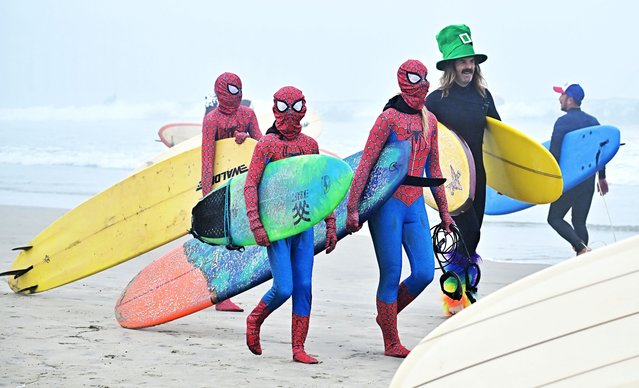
291, 259
228, 119
402, 219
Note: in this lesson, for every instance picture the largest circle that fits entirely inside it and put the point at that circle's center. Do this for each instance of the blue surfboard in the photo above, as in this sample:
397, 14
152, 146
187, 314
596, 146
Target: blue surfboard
583, 152
196, 275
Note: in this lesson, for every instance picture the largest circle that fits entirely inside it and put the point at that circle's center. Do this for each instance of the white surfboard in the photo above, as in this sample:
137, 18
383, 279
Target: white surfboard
572, 324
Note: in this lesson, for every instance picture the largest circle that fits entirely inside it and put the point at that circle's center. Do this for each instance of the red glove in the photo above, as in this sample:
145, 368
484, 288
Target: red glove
331, 235
240, 137
447, 221
352, 222
261, 238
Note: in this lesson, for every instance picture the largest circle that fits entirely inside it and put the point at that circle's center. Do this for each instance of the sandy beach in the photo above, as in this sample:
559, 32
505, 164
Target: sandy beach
69, 337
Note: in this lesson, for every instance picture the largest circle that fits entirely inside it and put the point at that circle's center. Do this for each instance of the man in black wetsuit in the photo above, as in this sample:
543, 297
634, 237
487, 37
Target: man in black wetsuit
462, 103
579, 198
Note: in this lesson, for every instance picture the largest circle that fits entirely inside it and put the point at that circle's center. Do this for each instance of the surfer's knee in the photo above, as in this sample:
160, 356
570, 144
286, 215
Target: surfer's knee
422, 277
282, 292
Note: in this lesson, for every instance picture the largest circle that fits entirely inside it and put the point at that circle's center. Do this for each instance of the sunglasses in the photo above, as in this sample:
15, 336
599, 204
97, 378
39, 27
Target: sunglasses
451, 284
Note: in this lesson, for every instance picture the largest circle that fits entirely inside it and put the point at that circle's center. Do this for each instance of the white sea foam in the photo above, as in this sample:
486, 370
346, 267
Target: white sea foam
117, 111
121, 136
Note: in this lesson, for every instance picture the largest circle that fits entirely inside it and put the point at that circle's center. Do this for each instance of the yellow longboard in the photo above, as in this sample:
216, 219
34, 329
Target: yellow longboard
145, 210
183, 146
518, 166
458, 167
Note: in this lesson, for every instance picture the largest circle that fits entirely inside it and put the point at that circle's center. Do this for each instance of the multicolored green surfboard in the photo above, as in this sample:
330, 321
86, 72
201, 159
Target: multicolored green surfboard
294, 194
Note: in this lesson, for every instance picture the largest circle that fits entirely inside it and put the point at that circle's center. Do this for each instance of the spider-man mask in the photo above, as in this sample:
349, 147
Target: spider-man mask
228, 89
289, 107
413, 83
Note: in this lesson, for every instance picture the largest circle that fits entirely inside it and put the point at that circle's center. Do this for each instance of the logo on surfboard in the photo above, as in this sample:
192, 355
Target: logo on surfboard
300, 209
228, 174
455, 183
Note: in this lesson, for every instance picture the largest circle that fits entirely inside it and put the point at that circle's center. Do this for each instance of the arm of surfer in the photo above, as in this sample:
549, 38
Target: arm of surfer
331, 233
261, 238
251, 128
240, 137
376, 140
254, 127
253, 177
492, 109
602, 186
557, 138
439, 192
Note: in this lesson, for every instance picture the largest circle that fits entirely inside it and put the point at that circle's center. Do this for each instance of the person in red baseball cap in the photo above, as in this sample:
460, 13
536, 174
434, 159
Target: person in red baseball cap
579, 198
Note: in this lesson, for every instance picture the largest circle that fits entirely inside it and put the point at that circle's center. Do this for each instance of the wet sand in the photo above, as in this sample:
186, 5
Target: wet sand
69, 337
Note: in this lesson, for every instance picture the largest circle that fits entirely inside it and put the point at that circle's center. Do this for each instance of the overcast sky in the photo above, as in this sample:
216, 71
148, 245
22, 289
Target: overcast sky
77, 53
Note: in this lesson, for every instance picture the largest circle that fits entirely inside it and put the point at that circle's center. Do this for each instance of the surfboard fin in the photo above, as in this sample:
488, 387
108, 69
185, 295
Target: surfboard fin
17, 272
28, 290
233, 247
24, 248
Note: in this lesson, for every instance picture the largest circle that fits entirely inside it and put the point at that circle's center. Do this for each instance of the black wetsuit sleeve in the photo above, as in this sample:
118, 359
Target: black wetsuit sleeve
492, 109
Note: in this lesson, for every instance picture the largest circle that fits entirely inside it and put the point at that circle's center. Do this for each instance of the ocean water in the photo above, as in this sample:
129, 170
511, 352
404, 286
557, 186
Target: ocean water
60, 157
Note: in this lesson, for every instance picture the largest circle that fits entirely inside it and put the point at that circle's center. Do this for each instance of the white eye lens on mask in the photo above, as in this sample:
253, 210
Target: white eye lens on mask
413, 78
281, 106
298, 105
233, 89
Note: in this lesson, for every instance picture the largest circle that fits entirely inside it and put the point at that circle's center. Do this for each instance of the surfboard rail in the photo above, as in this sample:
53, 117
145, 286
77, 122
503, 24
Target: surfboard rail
119, 223
573, 322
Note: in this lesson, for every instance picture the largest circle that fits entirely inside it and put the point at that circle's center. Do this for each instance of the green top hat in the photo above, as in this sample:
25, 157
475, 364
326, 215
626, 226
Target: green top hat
454, 42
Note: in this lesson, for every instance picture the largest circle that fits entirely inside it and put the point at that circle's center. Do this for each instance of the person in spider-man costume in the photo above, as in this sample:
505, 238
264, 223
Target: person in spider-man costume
228, 119
402, 219
291, 259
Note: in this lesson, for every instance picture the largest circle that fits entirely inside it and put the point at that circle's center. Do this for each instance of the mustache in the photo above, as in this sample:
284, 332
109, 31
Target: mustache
468, 71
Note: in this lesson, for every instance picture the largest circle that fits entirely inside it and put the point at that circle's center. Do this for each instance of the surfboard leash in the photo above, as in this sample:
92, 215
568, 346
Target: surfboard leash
445, 243
227, 220
612, 228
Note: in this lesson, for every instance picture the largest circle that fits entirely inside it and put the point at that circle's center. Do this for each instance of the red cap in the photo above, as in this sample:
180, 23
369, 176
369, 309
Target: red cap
572, 90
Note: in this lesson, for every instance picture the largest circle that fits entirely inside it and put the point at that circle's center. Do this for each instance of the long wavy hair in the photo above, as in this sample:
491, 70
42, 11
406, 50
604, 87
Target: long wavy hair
424, 116
448, 79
